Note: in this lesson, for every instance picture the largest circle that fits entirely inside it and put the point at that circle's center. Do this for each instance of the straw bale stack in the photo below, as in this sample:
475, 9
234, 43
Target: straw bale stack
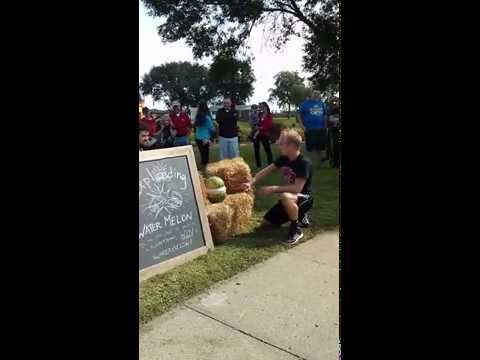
234, 173
204, 189
220, 218
242, 205
232, 216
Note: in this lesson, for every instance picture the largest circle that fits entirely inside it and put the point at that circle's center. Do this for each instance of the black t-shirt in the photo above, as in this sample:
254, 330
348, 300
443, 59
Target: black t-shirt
300, 167
227, 123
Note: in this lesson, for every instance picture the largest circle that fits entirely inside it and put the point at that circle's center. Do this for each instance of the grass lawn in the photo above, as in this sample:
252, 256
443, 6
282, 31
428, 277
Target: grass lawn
160, 293
286, 121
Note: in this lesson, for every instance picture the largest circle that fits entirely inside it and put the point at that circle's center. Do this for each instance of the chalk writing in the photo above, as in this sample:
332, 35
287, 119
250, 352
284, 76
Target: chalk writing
149, 229
173, 220
186, 235
164, 173
174, 248
169, 223
162, 186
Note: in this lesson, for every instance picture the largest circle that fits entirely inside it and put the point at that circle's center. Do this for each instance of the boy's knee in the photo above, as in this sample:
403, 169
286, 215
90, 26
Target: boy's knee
287, 197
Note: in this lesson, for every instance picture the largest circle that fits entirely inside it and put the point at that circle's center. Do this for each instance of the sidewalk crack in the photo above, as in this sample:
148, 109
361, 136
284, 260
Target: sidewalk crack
243, 332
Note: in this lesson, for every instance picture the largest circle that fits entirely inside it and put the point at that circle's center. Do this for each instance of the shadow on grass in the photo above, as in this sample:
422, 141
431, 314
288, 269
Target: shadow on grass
261, 239
270, 238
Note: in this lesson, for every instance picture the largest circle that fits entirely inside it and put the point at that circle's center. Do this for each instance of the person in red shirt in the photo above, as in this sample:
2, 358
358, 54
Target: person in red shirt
149, 121
182, 124
263, 137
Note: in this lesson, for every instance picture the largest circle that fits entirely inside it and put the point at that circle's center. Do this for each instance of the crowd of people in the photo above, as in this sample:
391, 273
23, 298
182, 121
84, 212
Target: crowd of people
173, 129
321, 128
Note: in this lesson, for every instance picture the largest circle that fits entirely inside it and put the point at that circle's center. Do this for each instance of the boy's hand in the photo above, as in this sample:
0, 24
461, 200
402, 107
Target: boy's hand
246, 186
266, 190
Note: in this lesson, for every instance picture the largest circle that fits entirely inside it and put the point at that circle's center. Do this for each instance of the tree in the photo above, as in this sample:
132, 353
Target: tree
289, 90
232, 77
211, 27
298, 94
184, 81
322, 52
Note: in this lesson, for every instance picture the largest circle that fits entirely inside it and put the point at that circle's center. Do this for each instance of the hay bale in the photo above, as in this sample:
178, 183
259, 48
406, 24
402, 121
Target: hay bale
204, 189
220, 218
242, 205
234, 173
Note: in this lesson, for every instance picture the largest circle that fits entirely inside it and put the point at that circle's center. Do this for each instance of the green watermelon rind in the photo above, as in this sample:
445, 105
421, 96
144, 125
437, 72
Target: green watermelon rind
216, 198
214, 182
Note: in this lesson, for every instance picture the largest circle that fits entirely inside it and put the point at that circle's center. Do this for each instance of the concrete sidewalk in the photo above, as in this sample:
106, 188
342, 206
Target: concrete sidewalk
285, 308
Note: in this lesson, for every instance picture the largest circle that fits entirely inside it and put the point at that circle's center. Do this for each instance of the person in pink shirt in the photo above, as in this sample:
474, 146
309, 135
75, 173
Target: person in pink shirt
264, 125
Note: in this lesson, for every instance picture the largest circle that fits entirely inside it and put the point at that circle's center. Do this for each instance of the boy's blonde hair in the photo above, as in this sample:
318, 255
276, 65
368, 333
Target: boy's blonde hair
291, 136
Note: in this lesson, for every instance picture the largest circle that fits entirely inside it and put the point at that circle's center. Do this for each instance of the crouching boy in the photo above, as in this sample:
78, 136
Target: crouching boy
296, 195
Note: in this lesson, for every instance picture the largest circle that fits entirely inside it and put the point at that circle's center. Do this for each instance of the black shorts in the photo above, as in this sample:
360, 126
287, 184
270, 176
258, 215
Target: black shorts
316, 139
278, 216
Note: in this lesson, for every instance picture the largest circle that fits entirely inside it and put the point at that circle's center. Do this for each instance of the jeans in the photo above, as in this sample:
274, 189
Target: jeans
204, 151
228, 147
180, 141
264, 140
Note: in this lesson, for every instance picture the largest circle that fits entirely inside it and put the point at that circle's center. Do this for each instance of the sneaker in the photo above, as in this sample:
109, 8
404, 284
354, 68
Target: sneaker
296, 234
305, 221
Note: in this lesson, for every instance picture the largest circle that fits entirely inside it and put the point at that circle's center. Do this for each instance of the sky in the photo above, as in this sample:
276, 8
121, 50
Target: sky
267, 63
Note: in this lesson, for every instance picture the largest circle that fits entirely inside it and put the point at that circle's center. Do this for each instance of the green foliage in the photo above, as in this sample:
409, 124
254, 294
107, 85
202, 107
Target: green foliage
289, 89
298, 94
322, 47
232, 77
178, 80
192, 83
212, 27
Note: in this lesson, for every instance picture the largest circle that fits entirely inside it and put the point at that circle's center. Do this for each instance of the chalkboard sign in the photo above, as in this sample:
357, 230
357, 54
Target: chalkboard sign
173, 226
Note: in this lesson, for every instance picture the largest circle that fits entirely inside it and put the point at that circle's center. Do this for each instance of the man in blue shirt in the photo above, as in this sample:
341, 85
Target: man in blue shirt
313, 116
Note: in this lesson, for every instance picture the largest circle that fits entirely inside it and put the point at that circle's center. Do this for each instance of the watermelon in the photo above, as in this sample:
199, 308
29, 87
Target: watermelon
216, 189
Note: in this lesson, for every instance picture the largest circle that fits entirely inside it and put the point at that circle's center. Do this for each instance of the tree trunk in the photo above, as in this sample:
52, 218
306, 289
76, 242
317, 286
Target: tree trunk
288, 112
